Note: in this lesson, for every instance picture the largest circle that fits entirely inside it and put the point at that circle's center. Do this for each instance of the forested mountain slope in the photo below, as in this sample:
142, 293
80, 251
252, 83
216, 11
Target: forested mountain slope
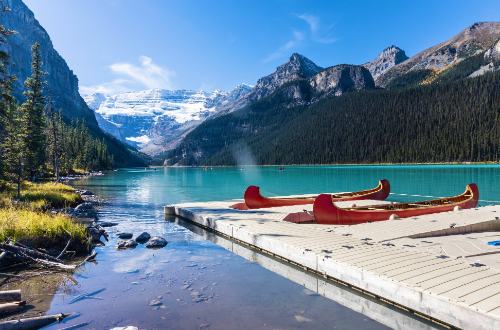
457, 121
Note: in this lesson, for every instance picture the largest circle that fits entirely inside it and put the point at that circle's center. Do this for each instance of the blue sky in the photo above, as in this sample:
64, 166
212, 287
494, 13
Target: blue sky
118, 45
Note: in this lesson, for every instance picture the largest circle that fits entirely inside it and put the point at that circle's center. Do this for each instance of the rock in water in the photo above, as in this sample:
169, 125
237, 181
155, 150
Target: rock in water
143, 238
128, 244
156, 242
85, 192
108, 224
125, 235
155, 302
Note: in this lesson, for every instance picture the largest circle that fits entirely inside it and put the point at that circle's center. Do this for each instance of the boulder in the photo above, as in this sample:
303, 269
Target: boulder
125, 235
85, 192
143, 238
156, 242
108, 224
84, 207
85, 210
128, 244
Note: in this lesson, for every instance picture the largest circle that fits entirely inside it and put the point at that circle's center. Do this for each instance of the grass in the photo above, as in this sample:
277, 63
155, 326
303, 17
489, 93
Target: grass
27, 225
27, 220
40, 196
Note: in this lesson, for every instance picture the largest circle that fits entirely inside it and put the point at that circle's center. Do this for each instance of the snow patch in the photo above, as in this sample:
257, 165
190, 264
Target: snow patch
144, 139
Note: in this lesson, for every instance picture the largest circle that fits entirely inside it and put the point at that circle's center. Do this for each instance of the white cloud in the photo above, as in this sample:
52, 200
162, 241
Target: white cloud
297, 38
315, 33
146, 75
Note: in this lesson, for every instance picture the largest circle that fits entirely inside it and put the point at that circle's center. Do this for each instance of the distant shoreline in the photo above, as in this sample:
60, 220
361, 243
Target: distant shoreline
333, 164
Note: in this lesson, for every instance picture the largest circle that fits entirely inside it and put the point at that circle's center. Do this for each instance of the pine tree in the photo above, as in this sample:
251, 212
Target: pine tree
54, 140
13, 146
33, 116
5, 81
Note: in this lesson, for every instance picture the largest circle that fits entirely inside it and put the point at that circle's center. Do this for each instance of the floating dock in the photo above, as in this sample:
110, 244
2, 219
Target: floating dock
437, 266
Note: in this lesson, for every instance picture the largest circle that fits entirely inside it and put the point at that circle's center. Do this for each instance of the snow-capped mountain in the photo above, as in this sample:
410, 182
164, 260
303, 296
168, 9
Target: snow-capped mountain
155, 120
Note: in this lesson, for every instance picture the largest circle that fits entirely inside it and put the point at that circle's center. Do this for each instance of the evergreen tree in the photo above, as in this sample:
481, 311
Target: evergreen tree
5, 94
54, 140
13, 146
33, 116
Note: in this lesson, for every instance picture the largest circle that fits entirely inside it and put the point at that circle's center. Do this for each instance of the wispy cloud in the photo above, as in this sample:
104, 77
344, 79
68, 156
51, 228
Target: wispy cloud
296, 39
315, 33
146, 74
316, 30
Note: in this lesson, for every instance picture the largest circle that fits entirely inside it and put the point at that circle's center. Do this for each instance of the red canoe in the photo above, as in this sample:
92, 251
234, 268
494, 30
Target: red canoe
254, 200
325, 211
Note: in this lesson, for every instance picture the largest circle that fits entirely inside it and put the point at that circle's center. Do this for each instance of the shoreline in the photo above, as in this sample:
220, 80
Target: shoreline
332, 164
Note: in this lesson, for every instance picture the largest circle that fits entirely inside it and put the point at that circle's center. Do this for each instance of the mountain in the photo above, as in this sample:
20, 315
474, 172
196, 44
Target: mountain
388, 58
456, 58
302, 113
155, 120
61, 87
275, 99
342, 78
298, 67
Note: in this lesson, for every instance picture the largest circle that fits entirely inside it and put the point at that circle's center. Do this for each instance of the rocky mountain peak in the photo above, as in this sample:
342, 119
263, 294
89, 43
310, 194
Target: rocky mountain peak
298, 67
388, 58
301, 65
474, 40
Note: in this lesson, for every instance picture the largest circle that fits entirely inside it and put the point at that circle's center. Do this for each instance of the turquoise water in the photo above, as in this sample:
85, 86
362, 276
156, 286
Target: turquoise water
198, 280
173, 185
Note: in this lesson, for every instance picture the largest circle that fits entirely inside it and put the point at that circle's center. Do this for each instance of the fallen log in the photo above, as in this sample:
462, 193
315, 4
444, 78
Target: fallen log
32, 322
10, 295
39, 257
16, 249
11, 308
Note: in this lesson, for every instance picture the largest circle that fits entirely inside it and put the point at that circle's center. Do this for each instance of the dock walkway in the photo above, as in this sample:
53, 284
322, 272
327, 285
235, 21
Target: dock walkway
439, 266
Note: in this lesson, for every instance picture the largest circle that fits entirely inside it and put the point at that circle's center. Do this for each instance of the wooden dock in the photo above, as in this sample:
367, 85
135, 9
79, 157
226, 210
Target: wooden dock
437, 266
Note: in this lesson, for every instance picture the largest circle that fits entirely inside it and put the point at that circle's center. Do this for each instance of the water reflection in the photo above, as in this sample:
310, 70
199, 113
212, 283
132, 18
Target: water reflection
315, 285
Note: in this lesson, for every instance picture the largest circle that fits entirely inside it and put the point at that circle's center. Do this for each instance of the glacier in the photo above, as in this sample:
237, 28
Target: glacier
155, 120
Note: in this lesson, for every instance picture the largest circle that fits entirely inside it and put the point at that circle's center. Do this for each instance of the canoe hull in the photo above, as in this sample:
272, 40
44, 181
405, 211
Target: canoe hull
255, 200
326, 212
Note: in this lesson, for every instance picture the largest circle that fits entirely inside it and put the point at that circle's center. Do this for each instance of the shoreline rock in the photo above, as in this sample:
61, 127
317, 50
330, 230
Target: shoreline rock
143, 238
156, 242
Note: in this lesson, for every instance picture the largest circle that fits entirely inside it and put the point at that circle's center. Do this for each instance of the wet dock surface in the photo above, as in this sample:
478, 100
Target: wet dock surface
438, 265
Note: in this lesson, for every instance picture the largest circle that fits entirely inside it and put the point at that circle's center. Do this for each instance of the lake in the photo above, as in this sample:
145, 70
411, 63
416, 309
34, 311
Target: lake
201, 281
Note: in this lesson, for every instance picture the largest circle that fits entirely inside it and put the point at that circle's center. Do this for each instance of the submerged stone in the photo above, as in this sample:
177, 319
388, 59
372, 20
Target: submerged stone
108, 224
155, 302
128, 244
156, 243
125, 235
143, 238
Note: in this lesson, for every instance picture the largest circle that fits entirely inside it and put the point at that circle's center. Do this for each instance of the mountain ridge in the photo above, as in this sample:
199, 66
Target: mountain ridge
286, 98
61, 88
155, 120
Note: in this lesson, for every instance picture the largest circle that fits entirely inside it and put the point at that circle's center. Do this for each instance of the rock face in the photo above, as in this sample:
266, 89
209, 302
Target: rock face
298, 67
155, 120
61, 87
338, 79
62, 84
474, 40
388, 58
